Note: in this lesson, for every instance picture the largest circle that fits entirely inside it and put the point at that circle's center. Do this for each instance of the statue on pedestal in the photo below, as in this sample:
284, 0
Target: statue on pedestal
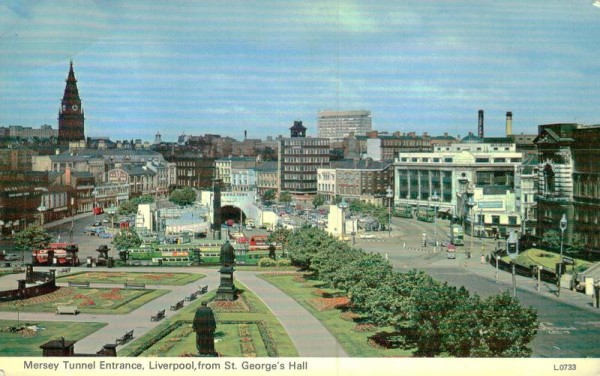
227, 290
204, 325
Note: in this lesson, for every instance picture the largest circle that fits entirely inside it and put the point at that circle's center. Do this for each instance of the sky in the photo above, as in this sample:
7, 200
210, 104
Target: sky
229, 66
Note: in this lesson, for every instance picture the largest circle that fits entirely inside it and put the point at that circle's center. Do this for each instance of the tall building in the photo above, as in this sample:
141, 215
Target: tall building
299, 158
339, 124
70, 114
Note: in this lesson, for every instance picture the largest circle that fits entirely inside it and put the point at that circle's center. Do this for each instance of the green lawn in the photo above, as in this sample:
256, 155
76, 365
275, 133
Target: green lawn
354, 342
27, 342
87, 300
548, 260
242, 331
171, 279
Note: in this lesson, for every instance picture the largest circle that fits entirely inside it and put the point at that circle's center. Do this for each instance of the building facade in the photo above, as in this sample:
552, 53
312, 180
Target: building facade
467, 178
569, 181
299, 158
266, 178
363, 180
340, 124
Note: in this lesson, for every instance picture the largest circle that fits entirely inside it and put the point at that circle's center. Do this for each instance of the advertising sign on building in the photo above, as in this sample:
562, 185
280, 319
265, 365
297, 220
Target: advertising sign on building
118, 176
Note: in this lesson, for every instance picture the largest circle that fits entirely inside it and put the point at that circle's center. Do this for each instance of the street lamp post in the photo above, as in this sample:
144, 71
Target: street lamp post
563, 227
94, 193
471, 206
389, 196
343, 205
435, 199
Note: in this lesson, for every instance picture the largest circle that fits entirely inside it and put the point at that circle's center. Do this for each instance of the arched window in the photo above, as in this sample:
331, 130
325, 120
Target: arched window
550, 184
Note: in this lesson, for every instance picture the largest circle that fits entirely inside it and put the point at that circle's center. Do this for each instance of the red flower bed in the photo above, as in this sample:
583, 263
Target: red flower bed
238, 305
325, 304
114, 294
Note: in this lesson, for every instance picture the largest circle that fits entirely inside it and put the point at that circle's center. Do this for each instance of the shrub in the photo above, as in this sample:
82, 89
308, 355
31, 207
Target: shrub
284, 262
266, 262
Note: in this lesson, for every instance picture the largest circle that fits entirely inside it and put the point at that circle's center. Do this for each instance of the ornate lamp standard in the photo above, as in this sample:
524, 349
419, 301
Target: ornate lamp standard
389, 196
471, 204
343, 205
435, 199
563, 227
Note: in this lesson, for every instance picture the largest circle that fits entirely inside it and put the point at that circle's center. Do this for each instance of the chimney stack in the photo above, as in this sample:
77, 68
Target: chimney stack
508, 124
480, 124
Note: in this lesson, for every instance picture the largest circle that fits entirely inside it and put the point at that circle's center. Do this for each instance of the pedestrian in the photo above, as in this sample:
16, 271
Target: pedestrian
482, 259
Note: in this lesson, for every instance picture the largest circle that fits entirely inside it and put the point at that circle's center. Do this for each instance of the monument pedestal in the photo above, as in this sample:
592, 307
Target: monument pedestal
226, 290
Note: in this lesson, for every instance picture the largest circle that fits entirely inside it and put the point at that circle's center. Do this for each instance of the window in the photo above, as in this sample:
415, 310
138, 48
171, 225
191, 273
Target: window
512, 220
495, 219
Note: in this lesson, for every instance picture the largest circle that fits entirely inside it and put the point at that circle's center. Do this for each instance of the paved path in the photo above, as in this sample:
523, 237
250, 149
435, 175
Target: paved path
302, 327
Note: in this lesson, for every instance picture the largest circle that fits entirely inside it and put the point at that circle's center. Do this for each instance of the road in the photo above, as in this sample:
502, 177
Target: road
568, 328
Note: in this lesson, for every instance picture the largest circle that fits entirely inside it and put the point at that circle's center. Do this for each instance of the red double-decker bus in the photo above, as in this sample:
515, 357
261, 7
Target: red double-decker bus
56, 254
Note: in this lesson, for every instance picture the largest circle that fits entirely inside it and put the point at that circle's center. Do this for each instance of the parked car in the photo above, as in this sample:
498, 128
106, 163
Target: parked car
97, 223
106, 235
366, 236
12, 257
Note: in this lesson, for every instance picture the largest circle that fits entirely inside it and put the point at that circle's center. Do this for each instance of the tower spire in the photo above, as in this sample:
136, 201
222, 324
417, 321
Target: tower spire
70, 117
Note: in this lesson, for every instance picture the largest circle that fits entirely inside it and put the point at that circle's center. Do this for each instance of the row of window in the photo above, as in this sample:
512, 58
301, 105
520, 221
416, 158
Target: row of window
450, 160
322, 161
307, 142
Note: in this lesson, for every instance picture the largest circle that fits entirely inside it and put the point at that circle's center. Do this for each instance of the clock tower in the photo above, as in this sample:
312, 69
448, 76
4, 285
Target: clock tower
70, 113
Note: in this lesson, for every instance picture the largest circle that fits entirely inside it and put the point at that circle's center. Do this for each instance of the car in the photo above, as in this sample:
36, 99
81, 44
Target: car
97, 223
366, 236
106, 235
12, 257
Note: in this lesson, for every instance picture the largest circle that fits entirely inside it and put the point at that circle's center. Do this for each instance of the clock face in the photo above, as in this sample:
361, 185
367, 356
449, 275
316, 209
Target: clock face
74, 107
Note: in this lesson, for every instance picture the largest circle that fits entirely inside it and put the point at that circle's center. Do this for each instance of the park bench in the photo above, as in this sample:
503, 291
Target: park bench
128, 336
64, 309
79, 284
159, 316
177, 306
135, 285
192, 296
202, 289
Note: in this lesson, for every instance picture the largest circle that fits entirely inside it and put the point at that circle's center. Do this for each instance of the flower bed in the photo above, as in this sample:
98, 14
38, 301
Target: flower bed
364, 328
325, 304
224, 306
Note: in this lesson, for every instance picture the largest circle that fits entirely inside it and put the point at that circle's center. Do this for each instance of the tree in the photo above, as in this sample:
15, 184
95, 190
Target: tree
127, 238
183, 196
577, 244
318, 200
552, 239
131, 206
33, 237
285, 197
269, 196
